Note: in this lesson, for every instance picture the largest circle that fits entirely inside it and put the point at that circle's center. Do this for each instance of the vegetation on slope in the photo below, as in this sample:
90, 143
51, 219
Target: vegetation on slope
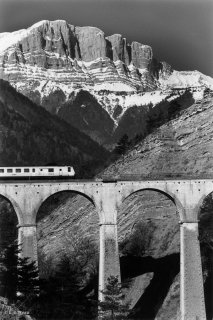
87, 115
32, 136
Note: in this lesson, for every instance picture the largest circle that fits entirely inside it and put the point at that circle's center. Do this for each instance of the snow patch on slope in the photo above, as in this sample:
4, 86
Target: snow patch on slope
198, 95
8, 39
114, 86
185, 79
110, 100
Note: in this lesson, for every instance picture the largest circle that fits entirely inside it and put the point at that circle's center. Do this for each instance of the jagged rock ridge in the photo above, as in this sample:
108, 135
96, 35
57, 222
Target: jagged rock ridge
61, 47
57, 57
53, 62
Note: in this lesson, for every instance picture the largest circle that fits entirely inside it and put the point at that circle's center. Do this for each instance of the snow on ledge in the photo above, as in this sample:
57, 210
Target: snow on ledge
115, 86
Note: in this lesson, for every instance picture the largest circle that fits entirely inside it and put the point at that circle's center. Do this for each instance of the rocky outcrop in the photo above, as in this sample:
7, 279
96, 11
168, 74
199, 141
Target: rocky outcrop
119, 49
58, 52
92, 43
182, 145
141, 55
63, 53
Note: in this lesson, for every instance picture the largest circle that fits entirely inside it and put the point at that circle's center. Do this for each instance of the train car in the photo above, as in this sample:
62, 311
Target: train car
36, 172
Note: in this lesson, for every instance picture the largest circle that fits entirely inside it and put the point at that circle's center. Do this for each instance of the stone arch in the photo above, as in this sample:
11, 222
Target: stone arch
147, 233
15, 206
170, 195
9, 222
149, 188
60, 213
52, 194
200, 202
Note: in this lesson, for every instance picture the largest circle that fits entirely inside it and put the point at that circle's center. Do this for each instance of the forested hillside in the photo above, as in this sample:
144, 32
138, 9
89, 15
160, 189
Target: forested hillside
30, 135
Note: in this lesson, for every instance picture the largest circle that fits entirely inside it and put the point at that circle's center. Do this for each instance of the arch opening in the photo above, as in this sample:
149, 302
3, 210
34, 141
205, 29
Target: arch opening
8, 223
68, 247
166, 194
149, 247
8, 239
205, 218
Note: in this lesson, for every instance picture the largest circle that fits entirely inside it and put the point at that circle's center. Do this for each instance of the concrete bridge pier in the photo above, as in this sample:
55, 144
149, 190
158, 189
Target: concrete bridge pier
27, 240
192, 303
109, 256
106, 202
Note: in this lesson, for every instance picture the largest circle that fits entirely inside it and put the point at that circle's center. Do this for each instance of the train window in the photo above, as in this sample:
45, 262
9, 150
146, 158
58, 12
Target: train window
69, 169
33, 170
26, 170
9, 170
18, 170
41, 169
1, 170
51, 170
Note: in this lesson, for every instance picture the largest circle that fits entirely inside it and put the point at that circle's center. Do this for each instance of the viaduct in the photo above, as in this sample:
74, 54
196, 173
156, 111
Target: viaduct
188, 195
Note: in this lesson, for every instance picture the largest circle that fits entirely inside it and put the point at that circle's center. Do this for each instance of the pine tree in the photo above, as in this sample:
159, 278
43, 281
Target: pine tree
113, 307
73, 303
122, 145
28, 283
67, 287
19, 277
61, 296
9, 276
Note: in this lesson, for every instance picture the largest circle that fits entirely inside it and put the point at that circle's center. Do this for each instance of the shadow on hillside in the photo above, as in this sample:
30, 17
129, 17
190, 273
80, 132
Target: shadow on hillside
165, 269
208, 291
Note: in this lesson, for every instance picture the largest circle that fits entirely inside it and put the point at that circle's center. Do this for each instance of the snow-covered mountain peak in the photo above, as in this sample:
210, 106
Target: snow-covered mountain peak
51, 60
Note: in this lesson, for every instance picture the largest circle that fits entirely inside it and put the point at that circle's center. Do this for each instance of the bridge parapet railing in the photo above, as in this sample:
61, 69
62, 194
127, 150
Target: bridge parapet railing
161, 176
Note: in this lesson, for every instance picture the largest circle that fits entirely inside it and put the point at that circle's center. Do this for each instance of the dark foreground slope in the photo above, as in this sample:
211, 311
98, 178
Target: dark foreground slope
183, 146
31, 135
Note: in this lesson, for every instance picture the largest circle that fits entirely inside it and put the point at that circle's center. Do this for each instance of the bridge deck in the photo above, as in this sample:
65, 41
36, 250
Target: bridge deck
79, 181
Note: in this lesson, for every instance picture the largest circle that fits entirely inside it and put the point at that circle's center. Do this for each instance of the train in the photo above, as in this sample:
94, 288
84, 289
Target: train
37, 172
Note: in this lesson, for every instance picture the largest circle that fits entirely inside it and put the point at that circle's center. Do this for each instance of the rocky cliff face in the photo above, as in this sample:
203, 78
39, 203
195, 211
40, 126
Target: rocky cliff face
54, 56
53, 61
82, 55
183, 145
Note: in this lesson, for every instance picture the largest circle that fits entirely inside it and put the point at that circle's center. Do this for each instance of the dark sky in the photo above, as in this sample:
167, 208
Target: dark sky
179, 31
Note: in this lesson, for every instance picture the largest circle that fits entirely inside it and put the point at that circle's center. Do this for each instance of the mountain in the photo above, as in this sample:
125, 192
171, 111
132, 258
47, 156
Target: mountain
89, 79
182, 146
77, 56
30, 135
105, 87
